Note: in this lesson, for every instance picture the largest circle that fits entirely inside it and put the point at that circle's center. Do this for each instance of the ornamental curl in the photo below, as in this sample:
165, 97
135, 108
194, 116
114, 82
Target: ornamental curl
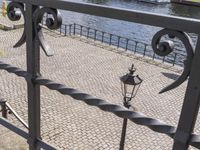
165, 48
54, 22
15, 11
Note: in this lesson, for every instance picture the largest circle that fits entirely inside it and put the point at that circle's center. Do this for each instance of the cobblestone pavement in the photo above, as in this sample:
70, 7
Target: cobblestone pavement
10, 24
73, 125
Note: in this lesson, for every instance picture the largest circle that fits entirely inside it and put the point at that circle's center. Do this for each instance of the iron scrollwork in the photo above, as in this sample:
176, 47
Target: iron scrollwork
15, 12
166, 47
53, 22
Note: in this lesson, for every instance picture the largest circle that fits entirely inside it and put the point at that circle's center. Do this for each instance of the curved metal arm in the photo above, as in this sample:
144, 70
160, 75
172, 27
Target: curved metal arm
15, 11
165, 48
53, 23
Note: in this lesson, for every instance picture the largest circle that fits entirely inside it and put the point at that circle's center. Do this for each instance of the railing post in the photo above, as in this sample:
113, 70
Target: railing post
110, 40
102, 37
74, 31
174, 62
88, 31
118, 41
190, 106
95, 35
4, 110
127, 40
145, 48
65, 29
81, 31
136, 43
33, 68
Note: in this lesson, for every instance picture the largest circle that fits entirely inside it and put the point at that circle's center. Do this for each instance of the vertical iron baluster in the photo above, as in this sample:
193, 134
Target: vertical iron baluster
81, 31
135, 47
95, 35
127, 40
190, 106
118, 41
174, 62
65, 29
102, 37
4, 110
33, 68
74, 31
88, 31
61, 29
145, 48
110, 41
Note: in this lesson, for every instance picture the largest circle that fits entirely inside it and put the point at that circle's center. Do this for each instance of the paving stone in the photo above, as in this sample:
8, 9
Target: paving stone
73, 125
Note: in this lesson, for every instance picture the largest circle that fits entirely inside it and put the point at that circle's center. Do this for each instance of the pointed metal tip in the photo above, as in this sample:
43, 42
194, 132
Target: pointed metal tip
162, 91
49, 55
15, 46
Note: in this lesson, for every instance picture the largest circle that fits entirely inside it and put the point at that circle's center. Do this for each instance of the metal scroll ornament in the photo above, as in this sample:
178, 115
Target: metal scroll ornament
53, 22
166, 47
14, 12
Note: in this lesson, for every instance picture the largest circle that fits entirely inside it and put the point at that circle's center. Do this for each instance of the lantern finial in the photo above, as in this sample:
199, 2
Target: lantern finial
132, 69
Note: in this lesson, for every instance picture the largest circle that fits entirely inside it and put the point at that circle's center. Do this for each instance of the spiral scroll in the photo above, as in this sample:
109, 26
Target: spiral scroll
165, 48
51, 23
15, 10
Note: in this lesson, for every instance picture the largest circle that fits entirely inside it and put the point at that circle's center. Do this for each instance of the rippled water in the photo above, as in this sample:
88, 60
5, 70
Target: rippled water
123, 28
127, 29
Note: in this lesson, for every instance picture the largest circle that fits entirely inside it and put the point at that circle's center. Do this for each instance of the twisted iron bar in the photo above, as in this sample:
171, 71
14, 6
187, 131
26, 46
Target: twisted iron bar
122, 112
18, 71
53, 22
166, 47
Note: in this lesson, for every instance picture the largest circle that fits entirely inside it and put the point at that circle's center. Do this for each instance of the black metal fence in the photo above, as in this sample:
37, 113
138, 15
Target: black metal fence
136, 47
33, 10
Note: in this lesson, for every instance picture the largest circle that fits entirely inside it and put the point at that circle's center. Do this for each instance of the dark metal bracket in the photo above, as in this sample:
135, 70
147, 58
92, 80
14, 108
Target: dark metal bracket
7, 109
166, 47
53, 22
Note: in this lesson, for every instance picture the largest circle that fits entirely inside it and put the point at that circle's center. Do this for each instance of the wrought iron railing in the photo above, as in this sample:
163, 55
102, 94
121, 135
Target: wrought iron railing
33, 10
137, 47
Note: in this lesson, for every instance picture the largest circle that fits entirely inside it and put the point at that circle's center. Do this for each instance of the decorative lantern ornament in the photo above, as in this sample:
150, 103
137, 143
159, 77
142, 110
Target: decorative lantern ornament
130, 83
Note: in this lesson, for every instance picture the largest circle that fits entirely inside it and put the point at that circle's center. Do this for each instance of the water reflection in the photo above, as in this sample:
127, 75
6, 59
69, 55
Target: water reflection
97, 1
127, 29
186, 11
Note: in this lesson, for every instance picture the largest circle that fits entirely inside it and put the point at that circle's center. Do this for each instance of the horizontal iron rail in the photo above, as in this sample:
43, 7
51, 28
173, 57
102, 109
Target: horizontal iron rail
24, 134
13, 128
122, 112
138, 47
153, 19
45, 145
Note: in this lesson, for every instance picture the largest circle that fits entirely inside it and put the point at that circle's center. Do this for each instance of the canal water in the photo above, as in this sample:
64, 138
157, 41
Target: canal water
125, 29
128, 29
